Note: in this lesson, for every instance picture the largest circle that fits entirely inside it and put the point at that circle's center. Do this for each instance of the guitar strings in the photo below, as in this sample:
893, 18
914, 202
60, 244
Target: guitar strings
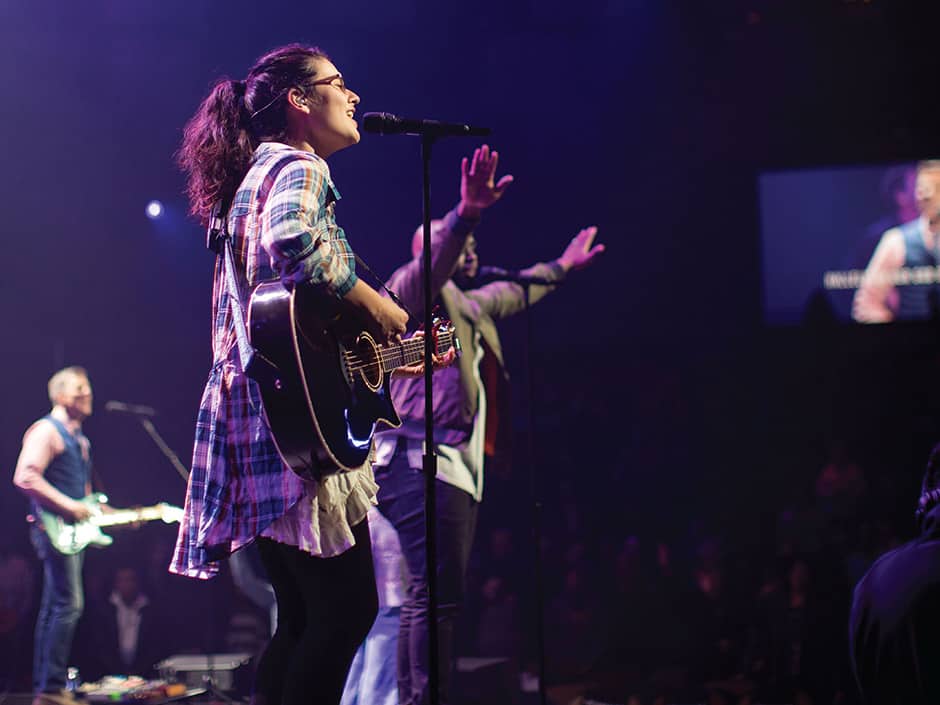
353, 359
407, 346
355, 363
389, 355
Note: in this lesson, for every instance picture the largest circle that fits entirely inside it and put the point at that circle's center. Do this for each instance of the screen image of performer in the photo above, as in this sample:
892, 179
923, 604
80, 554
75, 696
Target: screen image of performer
897, 191
892, 636
460, 414
912, 244
261, 144
54, 471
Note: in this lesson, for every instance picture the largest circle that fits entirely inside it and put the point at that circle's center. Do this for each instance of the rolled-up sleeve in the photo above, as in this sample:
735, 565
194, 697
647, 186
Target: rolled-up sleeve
300, 232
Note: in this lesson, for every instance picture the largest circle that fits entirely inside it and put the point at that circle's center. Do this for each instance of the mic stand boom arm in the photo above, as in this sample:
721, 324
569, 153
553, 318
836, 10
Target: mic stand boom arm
164, 448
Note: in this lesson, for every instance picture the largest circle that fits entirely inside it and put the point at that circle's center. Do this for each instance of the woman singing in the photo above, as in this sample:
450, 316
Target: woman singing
258, 147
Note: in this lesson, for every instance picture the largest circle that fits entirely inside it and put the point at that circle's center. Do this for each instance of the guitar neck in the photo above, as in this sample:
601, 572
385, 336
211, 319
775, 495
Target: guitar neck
411, 351
128, 516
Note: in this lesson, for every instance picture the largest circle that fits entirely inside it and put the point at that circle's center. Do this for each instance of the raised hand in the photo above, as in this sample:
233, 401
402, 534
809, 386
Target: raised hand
478, 188
579, 253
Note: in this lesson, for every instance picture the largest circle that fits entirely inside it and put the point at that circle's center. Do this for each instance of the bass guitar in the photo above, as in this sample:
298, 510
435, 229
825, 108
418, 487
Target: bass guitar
71, 537
324, 381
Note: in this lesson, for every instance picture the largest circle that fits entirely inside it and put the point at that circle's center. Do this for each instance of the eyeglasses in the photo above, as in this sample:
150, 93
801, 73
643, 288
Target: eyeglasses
328, 81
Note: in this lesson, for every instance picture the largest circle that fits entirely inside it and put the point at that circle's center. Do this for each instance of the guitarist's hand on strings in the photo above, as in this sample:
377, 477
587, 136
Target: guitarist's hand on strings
391, 320
78, 511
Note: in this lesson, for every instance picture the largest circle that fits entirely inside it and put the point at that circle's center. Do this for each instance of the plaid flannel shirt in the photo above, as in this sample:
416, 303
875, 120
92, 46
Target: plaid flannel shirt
282, 225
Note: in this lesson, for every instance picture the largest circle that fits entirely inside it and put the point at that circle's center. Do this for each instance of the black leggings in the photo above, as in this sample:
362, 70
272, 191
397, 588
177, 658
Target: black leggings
325, 608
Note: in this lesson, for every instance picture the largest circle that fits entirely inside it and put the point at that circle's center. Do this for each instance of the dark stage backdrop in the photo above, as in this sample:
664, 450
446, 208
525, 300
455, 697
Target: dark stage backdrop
649, 119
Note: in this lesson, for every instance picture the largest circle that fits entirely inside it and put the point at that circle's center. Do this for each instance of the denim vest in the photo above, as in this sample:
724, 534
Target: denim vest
68, 472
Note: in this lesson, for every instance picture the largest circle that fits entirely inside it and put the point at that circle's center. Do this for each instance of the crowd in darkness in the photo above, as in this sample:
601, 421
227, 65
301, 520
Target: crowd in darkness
696, 615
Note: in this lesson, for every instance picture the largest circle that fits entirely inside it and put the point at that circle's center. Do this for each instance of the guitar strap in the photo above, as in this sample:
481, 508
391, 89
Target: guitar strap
381, 285
218, 238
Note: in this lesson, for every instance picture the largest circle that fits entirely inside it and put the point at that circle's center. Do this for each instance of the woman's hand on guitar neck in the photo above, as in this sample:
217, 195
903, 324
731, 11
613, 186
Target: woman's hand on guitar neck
439, 363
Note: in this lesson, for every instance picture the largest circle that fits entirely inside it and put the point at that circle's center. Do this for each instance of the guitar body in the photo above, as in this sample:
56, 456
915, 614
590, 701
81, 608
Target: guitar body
322, 413
71, 538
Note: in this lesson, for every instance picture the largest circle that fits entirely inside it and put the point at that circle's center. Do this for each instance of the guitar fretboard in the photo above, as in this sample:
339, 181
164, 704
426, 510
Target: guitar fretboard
128, 516
408, 352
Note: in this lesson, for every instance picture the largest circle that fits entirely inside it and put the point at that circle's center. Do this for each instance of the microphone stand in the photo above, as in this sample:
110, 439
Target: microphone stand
164, 448
209, 679
429, 130
429, 458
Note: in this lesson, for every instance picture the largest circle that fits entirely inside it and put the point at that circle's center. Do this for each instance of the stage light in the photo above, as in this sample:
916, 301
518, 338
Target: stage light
154, 210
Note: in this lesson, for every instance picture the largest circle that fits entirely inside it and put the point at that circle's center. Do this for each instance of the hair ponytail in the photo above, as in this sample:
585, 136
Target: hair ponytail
217, 148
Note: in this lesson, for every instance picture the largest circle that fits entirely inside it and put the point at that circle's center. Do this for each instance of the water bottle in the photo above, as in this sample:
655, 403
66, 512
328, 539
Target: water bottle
72, 679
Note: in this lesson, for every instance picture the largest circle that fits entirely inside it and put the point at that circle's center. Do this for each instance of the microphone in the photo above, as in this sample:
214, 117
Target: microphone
488, 273
388, 124
120, 407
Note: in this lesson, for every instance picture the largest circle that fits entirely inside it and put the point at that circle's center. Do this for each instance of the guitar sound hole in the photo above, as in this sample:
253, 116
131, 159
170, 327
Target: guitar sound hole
371, 369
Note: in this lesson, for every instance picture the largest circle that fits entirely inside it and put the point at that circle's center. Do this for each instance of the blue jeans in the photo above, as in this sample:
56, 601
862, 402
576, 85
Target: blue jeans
401, 501
372, 677
249, 576
59, 610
